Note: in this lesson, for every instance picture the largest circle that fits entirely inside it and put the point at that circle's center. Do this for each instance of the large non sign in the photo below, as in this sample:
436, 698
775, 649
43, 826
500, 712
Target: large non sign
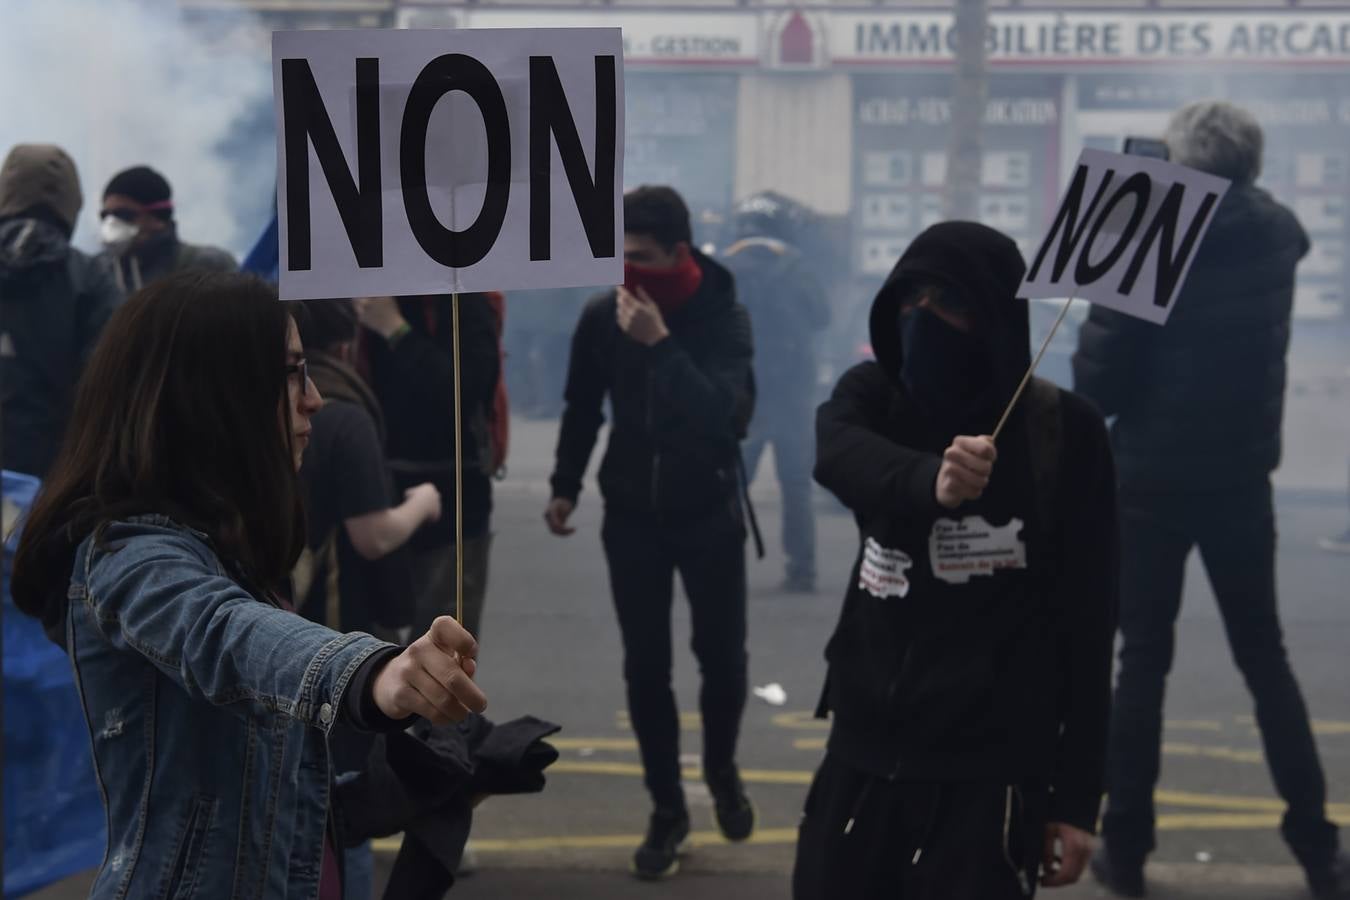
1125, 234
423, 162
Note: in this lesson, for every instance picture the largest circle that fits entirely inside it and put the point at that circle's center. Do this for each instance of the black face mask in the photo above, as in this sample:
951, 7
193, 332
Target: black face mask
945, 370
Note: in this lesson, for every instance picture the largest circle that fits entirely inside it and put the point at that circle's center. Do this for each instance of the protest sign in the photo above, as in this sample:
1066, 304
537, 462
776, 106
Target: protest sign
1125, 234
444, 161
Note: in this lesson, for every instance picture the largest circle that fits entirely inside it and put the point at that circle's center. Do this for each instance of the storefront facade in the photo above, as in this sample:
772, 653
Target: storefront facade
848, 108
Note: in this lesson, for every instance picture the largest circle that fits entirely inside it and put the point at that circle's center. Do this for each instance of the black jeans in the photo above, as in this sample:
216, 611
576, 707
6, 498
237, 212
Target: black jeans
1235, 532
709, 554
794, 457
865, 838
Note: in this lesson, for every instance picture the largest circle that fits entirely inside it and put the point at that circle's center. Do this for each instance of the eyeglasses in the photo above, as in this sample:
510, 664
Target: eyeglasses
126, 215
302, 369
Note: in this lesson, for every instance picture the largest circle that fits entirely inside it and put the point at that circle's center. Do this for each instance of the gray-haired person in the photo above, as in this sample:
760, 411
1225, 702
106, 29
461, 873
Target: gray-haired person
1213, 378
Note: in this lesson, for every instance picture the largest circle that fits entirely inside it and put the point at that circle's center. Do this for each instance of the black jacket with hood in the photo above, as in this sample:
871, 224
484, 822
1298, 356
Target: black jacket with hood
1214, 376
679, 407
1002, 677
54, 302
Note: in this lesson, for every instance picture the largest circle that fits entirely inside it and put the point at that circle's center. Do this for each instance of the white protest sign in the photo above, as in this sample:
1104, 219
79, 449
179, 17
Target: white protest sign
439, 161
1125, 234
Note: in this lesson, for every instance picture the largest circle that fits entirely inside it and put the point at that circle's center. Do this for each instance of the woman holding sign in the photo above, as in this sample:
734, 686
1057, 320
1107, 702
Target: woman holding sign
156, 555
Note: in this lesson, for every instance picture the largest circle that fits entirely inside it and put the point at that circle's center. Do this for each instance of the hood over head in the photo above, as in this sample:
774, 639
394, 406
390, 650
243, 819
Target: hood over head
40, 176
985, 268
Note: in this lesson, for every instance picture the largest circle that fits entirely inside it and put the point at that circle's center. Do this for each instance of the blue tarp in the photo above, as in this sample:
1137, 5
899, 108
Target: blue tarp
54, 820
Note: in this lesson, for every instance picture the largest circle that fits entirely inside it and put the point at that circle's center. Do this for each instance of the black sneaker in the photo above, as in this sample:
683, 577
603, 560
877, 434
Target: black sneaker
1121, 879
735, 812
1332, 881
799, 584
659, 855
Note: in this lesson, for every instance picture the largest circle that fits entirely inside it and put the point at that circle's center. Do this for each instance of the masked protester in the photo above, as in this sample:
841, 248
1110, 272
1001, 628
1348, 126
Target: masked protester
140, 237
788, 312
969, 674
54, 301
157, 556
1214, 377
671, 349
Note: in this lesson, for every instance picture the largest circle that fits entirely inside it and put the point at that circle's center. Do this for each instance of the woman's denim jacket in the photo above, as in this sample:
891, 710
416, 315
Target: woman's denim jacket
209, 713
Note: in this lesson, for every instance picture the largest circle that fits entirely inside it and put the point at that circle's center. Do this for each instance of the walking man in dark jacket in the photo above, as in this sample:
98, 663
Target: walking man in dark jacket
140, 236
1214, 377
788, 312
672, 350
969, 675
54, 302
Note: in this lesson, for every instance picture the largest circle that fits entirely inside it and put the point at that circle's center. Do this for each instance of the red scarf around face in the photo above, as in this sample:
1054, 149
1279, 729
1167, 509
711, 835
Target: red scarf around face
671, 288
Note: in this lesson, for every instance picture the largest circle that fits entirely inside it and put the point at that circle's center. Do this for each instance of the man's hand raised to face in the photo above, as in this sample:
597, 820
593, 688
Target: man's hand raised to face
966, 467
640, 318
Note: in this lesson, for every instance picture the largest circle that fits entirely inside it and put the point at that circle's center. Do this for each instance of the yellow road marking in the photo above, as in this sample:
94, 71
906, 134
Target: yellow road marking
1229, 754
1319, 726
781, 836
801, 720
1193, 725
594, 743
787, 776
809, 743
767, 836
689, 721
753, 776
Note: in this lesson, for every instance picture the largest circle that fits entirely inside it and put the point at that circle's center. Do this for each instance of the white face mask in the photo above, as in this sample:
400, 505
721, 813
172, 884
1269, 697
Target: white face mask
116, 234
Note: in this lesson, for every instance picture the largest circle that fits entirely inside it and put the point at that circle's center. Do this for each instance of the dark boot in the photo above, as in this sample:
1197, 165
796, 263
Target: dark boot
659, 855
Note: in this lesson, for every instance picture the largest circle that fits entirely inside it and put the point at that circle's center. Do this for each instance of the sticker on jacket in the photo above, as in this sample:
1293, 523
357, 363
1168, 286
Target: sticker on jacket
961, 550
883, 571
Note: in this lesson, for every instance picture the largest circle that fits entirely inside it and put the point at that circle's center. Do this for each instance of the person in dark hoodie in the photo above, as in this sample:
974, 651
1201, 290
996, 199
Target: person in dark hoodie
969, 674
788, 312
353, 527
1213, 378
672, 350
54, 302
139, 234
409, 345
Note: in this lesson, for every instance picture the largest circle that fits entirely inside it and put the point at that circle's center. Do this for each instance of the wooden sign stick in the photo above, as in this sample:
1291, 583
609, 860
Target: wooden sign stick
1026, 379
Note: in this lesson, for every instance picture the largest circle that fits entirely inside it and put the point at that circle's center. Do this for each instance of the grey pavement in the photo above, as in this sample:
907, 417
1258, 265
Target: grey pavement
551, 647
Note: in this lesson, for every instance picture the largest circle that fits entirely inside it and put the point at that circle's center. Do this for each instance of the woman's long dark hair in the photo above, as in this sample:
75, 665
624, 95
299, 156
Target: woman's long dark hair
182, 410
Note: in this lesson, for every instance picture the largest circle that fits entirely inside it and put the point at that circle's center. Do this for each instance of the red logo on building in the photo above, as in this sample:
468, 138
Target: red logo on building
796, 40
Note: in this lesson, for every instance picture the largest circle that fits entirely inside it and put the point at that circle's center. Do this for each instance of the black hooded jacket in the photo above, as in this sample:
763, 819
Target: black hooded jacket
937, 673
1214, 376
54, 302
679, 407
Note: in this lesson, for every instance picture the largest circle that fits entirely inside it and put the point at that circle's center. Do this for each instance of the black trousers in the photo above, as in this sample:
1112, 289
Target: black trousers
1235, 532
794, 448
864, 838
709, 555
